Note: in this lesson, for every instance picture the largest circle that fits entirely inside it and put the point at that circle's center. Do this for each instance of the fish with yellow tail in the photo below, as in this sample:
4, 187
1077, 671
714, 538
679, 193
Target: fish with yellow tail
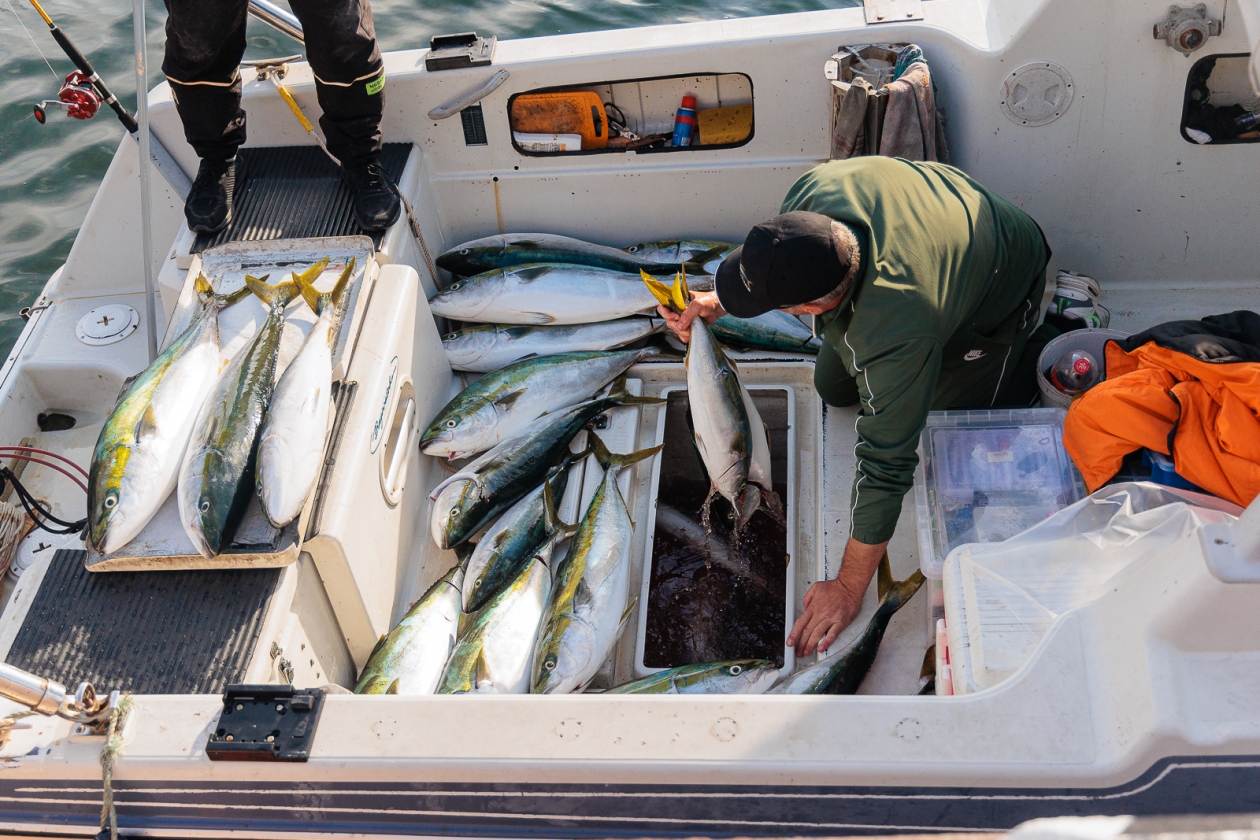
843, 671
729, 432
138, 454
291, 443
589, 599
216, 481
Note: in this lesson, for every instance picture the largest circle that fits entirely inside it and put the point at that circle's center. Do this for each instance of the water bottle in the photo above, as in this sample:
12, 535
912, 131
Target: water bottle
685, 122
1075, 372
1245, 123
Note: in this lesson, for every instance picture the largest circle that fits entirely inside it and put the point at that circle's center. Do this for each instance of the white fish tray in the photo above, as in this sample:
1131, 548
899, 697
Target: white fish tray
163, 543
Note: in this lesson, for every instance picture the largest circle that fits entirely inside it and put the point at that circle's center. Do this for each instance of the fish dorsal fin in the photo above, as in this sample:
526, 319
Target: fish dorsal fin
147, 425
380, 643
884, 580
505, 402
393, 687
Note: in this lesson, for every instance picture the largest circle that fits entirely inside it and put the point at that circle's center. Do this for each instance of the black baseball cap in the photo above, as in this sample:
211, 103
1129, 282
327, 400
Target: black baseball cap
789, 260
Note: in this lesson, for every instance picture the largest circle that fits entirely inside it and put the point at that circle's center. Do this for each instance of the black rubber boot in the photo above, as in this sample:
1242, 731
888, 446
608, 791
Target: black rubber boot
376, 203
209, 204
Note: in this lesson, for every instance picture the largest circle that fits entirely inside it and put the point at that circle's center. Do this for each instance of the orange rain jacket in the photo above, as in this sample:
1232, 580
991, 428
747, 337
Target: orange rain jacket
1205, 415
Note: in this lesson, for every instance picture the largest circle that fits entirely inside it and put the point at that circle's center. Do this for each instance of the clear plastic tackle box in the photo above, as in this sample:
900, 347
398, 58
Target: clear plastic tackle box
985, 476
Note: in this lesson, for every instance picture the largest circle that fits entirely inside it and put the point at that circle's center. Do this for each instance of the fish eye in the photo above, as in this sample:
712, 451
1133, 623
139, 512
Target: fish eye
450, 424
452, 336
464, 251
110, 501
454, 511
736, 670
454, 287
633, 248
479, 581
205, 505
550, 663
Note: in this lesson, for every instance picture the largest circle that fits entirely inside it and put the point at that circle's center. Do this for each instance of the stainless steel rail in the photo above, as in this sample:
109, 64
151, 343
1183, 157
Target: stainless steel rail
281, 20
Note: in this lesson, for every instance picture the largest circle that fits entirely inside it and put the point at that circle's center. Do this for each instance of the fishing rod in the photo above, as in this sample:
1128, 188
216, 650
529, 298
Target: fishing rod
82, 94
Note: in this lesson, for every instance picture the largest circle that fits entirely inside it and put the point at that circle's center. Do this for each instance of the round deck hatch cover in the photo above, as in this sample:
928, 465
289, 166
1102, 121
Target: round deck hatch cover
1036, 93
107, 324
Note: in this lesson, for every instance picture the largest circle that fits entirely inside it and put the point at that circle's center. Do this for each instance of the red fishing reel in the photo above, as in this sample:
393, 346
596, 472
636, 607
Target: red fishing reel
77, 96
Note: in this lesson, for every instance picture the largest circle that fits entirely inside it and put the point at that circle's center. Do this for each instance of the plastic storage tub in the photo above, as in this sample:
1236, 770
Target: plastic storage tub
985, 476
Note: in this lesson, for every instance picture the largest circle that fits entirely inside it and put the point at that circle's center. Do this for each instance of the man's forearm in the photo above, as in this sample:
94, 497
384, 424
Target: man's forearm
859, 565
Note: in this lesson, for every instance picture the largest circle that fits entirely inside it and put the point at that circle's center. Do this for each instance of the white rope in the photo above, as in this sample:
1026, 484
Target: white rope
109, 757
34, 43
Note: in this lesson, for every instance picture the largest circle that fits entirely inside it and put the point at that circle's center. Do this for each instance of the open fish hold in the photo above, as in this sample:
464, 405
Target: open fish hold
495, 651
508, 544
467, 500
291, 442
216, 480
136, 462
500, 405
487, 348
589, 600
843, 671
411, 659
741, 676
515, 249
730, 434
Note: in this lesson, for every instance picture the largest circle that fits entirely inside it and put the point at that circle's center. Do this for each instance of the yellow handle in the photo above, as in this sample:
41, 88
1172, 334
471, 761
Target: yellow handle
293, 106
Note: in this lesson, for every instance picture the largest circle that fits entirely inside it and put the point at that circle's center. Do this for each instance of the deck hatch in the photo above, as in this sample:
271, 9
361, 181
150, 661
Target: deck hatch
179, 632
294, 192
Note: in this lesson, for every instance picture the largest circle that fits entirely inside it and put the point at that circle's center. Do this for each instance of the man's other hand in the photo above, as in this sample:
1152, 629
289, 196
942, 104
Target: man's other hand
831, 605
701, 306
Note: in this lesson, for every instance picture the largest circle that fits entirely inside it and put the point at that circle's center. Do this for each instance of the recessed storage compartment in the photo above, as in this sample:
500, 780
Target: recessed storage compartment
632, 115
709, 596
1220, 105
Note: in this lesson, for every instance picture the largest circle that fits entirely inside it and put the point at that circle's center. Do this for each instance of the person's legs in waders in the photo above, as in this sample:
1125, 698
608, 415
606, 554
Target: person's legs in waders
205, 40
350, 84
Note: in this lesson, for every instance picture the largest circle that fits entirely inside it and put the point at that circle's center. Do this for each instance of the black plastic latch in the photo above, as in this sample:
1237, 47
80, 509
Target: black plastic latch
266, 723
466, 49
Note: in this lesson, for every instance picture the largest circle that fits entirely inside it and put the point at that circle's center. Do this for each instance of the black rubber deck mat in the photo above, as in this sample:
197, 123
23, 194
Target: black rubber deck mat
189, 632
294, 192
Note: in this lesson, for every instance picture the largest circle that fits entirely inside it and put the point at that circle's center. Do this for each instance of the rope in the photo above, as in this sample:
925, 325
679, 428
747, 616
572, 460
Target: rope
109, 757
415, 230
37, 512
34, 43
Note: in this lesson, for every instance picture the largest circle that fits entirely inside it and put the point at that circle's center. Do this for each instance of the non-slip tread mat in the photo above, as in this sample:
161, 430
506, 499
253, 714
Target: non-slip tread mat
178, 632
294, 192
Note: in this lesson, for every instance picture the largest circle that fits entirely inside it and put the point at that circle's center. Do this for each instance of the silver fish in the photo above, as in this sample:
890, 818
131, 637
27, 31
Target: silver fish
589, 606
741, 676
412, 658
141, 446
291, 442
500, 405
513, 249
544, 294
488, 348
775, 330
494, 654
700, 255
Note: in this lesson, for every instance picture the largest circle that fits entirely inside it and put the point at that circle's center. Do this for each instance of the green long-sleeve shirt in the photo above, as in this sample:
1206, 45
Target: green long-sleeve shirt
948, 288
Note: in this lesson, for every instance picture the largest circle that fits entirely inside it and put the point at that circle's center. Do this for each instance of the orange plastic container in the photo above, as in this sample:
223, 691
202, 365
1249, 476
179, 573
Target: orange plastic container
563, 112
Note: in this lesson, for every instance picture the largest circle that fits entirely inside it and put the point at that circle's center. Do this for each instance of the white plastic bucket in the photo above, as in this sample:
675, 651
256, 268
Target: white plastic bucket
1091, 341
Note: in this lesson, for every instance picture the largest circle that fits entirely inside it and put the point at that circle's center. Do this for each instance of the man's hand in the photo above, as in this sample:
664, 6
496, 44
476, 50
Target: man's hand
831, 605
701, 306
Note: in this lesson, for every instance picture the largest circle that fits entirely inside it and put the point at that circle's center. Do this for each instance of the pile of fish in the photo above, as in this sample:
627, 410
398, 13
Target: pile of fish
219, 435
530, 294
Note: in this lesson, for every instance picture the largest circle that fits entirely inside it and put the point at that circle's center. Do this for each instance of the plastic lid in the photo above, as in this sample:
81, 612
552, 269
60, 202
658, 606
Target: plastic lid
689, 101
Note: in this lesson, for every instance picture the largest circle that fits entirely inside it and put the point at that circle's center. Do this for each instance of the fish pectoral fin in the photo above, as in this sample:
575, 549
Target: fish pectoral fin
147, 425
505, 402
481, 671
393, 687
582, 596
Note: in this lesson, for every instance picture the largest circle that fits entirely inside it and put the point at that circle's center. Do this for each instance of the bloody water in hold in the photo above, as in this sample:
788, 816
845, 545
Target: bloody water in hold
706, 608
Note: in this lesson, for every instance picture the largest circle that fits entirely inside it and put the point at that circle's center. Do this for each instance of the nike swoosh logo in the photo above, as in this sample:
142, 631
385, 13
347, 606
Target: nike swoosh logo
972, 355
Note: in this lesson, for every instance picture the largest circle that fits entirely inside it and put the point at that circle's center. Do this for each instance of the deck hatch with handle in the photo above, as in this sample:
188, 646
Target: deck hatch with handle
266, 723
